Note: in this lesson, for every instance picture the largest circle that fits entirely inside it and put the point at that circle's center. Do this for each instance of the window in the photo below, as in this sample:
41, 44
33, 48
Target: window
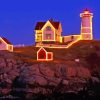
10, 47
48, 28
48, 36
39, 37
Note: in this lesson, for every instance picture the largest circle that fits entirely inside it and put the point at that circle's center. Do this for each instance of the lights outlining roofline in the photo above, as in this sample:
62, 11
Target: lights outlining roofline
46, 55
66, 46
7, 45
48, 22
85, 33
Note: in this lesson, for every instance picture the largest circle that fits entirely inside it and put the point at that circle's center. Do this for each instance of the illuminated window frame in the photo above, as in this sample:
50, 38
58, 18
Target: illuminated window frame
48, 28
46, 55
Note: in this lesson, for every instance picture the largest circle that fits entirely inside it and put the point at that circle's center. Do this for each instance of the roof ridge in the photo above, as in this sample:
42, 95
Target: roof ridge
6, 40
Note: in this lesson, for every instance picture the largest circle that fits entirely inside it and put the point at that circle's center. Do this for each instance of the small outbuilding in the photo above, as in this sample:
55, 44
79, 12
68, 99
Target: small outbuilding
43, 55
5, 44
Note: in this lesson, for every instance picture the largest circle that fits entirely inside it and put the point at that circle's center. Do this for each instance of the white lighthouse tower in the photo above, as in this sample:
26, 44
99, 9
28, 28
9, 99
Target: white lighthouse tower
86, 25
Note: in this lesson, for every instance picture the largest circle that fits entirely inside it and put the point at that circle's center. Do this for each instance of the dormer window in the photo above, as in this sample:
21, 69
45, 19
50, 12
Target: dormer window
48, 28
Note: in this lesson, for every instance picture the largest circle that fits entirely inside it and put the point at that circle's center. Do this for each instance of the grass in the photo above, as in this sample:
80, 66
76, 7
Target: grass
79, 50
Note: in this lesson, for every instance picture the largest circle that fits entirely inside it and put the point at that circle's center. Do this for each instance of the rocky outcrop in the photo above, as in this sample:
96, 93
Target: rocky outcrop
71, 71
44, 77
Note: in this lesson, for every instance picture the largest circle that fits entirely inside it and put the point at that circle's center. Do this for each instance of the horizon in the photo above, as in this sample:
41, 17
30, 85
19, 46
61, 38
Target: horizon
18, 18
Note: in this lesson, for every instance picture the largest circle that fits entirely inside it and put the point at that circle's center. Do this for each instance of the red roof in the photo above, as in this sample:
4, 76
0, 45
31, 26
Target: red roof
86, 9
55, 24
6, 40
39, 25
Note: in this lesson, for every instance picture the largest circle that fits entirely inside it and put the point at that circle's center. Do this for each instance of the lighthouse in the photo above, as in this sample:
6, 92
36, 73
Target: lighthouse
86, 25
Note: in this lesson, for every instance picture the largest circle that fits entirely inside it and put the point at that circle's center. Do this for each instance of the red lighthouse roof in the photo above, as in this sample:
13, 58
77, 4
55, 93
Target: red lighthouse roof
87, 10
86, 13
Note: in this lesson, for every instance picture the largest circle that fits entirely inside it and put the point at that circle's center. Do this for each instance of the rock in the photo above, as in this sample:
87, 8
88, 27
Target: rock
83, 72
5, 91
95, 79
2, 64
12, 74
8, 81
34, 69
10, 64
54, 81
2, 60
71, 72
44, 76
40, 80
46, 71
65, 82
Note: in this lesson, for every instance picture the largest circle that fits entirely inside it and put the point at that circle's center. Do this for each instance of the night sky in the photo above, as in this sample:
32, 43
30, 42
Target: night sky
18, 17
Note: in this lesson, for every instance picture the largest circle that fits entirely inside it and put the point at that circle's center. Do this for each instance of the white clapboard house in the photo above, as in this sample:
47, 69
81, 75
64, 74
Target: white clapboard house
5, 44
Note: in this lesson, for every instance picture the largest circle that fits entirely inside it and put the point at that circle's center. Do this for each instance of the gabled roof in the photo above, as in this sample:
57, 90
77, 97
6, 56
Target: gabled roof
39, 25
41, 48
55, 24
6, 40
45, 49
